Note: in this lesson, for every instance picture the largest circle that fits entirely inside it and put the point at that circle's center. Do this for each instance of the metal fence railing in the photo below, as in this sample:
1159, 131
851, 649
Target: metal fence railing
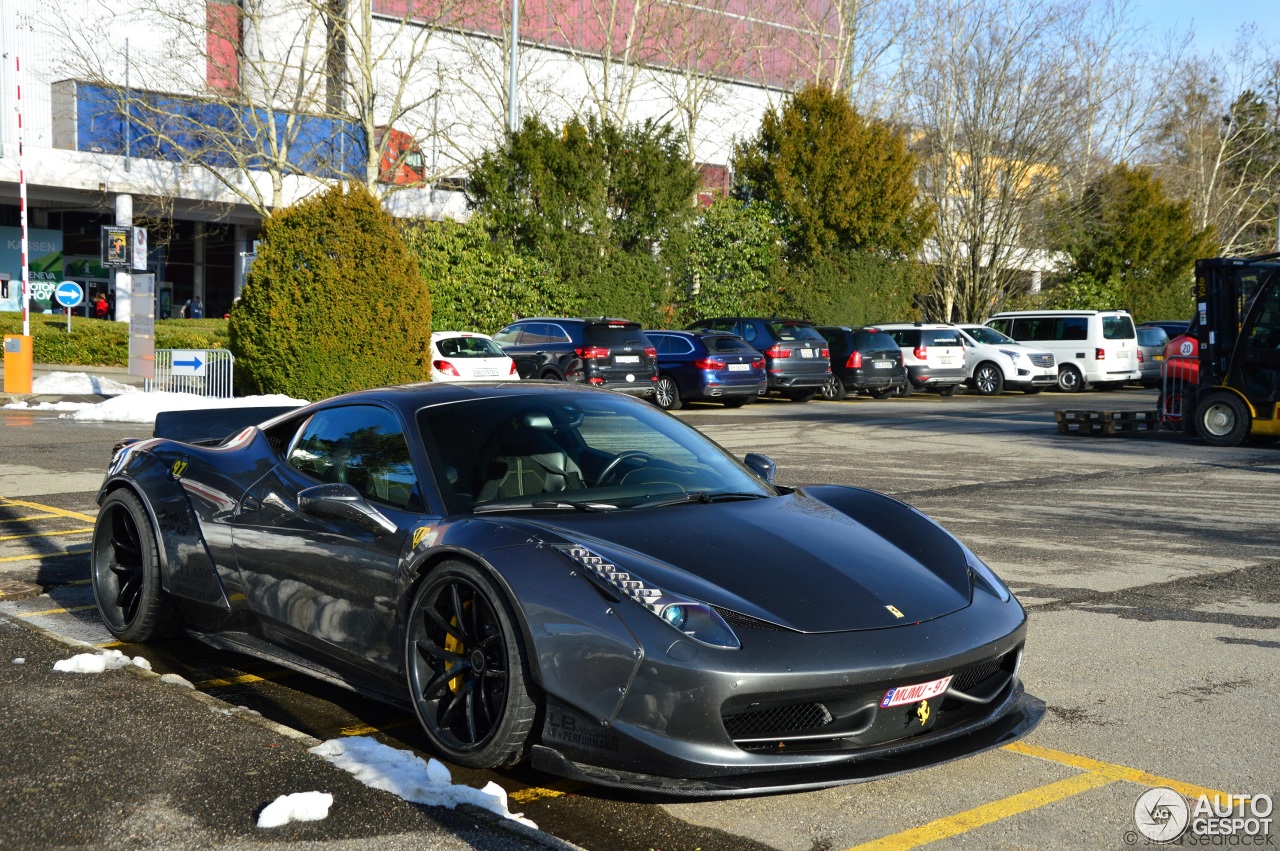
1178, 379
204, 372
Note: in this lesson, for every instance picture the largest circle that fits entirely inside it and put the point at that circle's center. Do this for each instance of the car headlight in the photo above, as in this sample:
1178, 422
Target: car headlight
692, 618
985, 576
1011, 353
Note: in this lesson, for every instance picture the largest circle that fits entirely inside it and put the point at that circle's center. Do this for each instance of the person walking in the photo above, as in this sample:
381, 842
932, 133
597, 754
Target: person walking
100, 306
193, 309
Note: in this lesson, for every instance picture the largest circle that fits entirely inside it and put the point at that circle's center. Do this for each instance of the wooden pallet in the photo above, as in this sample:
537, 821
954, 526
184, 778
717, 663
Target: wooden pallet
1106, 422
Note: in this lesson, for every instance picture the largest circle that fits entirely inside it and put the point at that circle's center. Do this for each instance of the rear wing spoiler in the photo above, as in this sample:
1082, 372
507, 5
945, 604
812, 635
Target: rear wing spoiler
213, 425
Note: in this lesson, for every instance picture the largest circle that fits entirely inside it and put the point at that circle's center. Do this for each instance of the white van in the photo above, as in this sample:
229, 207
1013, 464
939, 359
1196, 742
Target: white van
1098, 347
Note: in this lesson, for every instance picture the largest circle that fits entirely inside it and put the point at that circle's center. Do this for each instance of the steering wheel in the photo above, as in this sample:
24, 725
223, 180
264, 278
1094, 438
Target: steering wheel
618, 459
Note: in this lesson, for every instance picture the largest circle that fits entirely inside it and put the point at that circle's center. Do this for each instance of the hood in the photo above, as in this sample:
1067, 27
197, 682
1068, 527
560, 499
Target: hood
822, 559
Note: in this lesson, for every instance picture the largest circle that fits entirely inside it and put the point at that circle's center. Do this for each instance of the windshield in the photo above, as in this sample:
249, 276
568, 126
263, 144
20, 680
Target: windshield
571, 449
989, 336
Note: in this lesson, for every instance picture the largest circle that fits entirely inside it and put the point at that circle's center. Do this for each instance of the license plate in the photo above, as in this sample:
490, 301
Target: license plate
485, 373
916, 693
806, 353
1159, 357
883, 364
946, 360
626, 359
739, 367
1123, 354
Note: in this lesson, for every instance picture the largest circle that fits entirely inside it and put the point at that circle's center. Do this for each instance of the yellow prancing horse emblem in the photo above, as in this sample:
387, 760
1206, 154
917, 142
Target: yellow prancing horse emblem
419, 534
893, 610
922, 712
179, 467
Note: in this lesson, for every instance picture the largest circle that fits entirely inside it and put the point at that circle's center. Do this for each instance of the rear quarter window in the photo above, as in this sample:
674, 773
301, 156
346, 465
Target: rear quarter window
907, 339
1117, 328
726, 344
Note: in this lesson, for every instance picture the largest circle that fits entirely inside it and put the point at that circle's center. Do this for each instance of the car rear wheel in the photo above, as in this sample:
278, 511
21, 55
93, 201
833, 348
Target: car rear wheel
666, 395
988, 380
1031, 391
551, 375
833, 390
468, 679
1222, 419
126, 572
801, 395
902, 390
949, 390
1070, 380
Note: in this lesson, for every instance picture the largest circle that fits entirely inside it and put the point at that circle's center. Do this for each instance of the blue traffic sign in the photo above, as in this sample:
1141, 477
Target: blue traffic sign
69, 294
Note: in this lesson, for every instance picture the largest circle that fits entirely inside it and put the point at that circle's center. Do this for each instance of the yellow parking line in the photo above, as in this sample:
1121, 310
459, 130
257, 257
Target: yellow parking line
243, 679
31, 517
39, 556
58, 611
538, 793
47, 534
987, 813
1114, 771
60, 512
367, 730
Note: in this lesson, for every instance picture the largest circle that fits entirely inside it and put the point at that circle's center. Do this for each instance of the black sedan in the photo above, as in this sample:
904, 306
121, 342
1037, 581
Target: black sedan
572, 577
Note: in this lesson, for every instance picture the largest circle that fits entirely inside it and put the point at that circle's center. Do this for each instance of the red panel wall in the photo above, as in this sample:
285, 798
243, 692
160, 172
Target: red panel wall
223, 41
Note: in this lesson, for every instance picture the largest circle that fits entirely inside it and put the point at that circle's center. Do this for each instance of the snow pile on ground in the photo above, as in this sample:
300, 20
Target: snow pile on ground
300, 806
143, 407
21, 660
176, 680
78, 384
96, 663
406, 775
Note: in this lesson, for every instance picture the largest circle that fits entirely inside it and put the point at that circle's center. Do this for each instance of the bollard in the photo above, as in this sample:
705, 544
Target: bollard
17, 364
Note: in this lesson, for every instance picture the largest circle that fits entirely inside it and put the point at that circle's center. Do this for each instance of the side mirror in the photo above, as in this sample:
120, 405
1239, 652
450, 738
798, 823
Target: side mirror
343, 502
762, 465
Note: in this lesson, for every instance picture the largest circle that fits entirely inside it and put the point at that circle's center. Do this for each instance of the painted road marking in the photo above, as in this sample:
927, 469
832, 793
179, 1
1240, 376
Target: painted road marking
243, 679
38, 556
32, 517
35, 506
987, 813
1094, 774
58, 611
367, 730
46, 534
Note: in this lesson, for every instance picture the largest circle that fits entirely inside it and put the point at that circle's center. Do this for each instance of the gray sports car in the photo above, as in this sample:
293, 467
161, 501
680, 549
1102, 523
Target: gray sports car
569, 576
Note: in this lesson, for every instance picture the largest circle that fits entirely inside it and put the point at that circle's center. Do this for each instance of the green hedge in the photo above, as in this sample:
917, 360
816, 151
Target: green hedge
94, 342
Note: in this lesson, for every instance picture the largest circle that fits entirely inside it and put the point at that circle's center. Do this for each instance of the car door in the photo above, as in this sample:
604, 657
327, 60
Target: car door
523, 343
332, 584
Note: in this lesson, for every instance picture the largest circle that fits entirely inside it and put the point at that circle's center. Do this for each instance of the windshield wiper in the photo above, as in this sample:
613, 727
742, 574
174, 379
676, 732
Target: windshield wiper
703, 497
543, 505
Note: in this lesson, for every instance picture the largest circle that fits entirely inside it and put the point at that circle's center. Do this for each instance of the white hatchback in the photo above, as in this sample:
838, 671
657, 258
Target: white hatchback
463, 356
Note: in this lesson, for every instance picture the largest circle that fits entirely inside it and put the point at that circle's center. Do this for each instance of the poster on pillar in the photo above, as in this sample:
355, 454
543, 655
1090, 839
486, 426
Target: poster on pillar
142, 327
140, 249
44, 267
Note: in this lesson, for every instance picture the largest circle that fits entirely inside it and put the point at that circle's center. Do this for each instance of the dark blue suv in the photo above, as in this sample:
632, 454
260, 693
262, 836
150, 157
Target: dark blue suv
711, 366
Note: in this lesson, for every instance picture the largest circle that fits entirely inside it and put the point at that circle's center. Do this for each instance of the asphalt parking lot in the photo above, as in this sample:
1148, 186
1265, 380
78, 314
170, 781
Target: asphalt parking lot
1148, 564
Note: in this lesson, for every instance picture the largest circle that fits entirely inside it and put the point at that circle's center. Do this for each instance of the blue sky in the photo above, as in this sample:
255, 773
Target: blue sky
1215, 23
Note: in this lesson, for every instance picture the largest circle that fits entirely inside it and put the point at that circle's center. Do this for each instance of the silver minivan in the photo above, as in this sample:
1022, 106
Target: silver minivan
1092, 347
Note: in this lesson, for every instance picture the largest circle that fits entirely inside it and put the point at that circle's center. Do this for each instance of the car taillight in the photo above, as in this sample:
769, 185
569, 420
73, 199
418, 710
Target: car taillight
595, 380
758, 363
776, 351
650, 352
1140, 357
1099, 354
854, 361
709, 363
445, 367
826, 353
513, 371
922, 352
590, 352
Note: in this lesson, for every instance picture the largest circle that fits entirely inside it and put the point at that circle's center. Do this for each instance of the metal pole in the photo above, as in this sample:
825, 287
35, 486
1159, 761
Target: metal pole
512, 109
22, 209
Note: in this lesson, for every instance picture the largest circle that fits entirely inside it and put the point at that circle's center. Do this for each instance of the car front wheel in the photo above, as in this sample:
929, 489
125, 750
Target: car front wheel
988, 380
833, 390
468, 679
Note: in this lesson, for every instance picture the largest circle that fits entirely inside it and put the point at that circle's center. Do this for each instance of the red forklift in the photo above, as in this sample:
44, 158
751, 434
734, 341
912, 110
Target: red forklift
1221, 381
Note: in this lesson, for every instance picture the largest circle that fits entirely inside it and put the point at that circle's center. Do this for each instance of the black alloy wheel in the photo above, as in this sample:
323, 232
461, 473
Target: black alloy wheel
465, 663
666, 395
833, 390
1221, 419
126, 572
988, 380
1070, 380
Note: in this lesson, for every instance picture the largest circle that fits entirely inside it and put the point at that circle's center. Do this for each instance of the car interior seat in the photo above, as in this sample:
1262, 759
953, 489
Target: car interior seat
520, 458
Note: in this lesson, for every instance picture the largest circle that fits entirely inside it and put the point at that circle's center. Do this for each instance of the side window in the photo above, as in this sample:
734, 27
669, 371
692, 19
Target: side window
359, 445
533, 333
507, 336
1265, 334
679, 346
661, 342
1002, 325
1073, 328
556, 334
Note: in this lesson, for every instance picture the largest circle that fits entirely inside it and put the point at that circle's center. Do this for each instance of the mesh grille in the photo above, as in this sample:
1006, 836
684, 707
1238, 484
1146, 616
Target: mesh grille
974, 675
733, 618
1042, 360
780, 720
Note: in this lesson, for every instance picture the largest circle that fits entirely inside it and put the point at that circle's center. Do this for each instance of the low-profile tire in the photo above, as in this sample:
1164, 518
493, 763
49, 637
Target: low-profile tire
666, 395
833, 390
1031, 391
737, 401
883, 393
1221, 419
125, 572
949, 390
988, 380
801, 395
1070, 380
467, 669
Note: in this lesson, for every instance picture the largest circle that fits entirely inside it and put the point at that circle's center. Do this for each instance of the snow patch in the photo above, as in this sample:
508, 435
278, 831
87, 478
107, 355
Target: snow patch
143, 407
78, 384
300, 806
176, 680
96, 663
20, 661
406, 775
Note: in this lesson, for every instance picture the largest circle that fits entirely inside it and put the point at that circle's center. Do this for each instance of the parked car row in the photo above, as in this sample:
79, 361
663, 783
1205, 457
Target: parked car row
735, 359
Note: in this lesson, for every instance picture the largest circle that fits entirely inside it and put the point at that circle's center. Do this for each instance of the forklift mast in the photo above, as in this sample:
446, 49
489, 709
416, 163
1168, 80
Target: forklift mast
1225, 289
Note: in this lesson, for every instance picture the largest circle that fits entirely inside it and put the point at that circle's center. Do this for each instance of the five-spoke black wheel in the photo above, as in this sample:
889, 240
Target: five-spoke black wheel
126, 571
465, 662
